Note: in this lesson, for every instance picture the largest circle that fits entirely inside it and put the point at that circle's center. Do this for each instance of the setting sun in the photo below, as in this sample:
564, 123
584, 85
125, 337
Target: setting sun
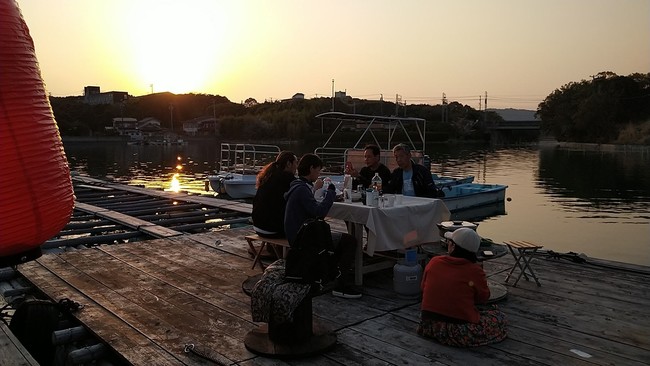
173, 47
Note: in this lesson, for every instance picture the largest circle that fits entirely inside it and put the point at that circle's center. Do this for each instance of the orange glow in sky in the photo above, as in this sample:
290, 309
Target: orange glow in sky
519, 51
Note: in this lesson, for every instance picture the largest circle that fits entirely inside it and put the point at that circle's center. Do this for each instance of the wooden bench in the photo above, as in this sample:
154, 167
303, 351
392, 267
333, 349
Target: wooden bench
252, 239
523, 252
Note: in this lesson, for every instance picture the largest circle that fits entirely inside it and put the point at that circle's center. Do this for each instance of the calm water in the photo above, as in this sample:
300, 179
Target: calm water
587, 202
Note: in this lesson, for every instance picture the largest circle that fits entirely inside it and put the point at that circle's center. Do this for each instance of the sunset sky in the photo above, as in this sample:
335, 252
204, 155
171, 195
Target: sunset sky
518, 51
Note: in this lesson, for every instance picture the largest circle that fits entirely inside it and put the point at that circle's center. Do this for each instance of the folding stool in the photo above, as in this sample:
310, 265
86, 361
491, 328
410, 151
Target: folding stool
523, 255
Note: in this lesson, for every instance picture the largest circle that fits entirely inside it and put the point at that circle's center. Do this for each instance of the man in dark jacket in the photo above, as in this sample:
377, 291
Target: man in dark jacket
371, 156
301, 205
409, 178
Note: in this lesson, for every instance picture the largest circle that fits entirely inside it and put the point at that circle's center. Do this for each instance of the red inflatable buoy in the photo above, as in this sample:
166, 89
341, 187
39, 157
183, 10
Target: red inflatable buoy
36, 195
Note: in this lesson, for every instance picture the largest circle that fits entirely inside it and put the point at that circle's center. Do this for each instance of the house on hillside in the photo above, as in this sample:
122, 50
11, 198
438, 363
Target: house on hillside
94, 96
135, 130
297, 96
200, 126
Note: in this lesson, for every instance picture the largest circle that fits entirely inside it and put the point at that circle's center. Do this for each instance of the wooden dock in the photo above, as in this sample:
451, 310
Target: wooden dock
147, 299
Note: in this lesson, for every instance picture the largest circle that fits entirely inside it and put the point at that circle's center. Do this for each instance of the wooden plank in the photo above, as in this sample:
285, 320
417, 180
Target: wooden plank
188, 267
604, 351
385, 351
402, 333
94, 188
230, 241
172, 317
576, 317
118, 334
129, 221
12, 352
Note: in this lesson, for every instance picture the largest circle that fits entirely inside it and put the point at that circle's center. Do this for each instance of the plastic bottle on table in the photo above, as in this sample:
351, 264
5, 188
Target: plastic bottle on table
375, 183
326, 182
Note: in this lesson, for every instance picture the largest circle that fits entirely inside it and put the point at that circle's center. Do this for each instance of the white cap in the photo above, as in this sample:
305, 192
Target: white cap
465, 238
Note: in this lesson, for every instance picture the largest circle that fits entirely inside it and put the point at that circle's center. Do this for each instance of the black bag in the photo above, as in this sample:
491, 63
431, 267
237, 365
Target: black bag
311, 258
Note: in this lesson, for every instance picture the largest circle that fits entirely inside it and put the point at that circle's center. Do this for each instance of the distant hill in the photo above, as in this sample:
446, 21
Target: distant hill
510, 114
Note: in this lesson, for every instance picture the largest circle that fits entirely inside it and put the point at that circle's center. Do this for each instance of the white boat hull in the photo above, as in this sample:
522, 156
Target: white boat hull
235, 185
464, 196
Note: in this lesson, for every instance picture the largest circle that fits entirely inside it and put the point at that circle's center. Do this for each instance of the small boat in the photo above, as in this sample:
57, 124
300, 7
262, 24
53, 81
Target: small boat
239, 165
470, 195
442, 182
235, 185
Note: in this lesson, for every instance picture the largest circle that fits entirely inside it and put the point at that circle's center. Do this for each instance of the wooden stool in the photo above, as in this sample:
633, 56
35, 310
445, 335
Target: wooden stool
523, 255
251, 239
303, 337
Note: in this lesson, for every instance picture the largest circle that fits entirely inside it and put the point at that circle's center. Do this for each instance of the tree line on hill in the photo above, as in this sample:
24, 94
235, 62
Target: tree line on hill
607, 109
271, 120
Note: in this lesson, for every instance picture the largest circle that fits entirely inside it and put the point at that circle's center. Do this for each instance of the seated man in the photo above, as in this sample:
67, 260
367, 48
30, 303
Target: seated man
301, 205
409, 178
371, 154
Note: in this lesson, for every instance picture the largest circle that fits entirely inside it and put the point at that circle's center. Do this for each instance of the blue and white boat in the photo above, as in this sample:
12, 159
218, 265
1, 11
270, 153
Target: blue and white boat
470, 195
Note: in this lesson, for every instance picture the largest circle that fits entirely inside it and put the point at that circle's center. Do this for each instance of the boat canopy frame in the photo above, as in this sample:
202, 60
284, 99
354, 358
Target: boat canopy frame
335, 158
394, 124
246, 158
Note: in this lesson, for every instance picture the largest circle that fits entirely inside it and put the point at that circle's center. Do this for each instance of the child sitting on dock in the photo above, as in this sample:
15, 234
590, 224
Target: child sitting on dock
452, 286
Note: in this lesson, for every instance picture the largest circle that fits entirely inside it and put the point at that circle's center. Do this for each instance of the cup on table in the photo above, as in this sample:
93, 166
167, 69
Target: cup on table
390, 200
347, 195
399, 199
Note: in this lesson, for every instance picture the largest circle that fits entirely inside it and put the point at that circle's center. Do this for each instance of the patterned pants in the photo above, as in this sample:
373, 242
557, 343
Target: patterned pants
491, 328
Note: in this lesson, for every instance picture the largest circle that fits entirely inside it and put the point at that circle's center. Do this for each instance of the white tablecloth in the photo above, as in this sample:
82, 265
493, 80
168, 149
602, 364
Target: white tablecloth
398, 227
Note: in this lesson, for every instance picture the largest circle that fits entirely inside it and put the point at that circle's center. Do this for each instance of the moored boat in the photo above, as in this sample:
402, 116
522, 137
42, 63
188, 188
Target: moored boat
239, 165
470, 195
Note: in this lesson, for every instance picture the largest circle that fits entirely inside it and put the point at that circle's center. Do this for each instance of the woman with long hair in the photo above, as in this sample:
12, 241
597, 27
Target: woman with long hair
269, 204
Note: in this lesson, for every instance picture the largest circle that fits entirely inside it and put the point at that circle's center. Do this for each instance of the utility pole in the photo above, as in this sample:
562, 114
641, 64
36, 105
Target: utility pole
485, 118
443, 117
397, 99
214, 115
332, 95
171, 116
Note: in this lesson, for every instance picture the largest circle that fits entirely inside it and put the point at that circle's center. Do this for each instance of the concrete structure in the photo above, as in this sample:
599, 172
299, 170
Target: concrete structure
93, 96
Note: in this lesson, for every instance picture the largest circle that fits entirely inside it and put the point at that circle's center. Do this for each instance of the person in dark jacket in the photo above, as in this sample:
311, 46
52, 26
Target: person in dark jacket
409, 178
301, 205
371, 154
269, 204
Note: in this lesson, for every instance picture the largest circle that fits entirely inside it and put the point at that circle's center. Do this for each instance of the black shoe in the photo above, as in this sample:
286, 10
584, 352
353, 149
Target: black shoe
346, 293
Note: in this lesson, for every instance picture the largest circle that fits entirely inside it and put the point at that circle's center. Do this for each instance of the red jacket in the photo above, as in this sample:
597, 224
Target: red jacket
452, 286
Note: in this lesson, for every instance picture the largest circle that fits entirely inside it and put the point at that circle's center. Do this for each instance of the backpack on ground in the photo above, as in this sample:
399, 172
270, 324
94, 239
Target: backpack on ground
311, 257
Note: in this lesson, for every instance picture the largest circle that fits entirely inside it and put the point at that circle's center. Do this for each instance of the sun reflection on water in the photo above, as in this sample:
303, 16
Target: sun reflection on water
175, 184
